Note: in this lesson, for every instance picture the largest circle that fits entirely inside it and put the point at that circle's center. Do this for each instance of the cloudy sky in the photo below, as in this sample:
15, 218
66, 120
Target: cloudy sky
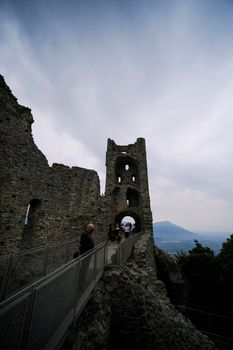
162, 70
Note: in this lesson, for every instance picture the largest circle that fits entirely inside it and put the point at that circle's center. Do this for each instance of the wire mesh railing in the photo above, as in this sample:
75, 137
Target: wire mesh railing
20, 269
39, 316
218, 327
118, 254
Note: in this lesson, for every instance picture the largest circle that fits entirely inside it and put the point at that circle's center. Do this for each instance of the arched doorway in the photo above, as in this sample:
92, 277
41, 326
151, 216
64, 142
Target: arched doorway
128, 224
129, 220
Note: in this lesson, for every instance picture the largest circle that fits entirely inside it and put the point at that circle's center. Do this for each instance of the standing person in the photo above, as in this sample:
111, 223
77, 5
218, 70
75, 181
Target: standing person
117, 233
86, 240
111, 234
86, 244
127, 230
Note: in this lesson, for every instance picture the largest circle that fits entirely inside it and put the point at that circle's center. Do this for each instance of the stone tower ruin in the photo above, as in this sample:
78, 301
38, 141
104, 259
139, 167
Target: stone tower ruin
127, 190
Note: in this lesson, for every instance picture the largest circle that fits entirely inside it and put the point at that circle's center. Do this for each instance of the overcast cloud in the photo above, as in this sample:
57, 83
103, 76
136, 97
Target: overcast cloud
90, 70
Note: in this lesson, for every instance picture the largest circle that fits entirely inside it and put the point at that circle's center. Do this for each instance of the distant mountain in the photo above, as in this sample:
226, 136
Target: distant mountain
167, 231
172, 238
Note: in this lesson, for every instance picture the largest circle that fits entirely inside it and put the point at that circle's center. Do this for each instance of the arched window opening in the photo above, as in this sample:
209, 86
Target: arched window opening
27, 214
119, 179
127, 202
133, 178
126, 167
32, 214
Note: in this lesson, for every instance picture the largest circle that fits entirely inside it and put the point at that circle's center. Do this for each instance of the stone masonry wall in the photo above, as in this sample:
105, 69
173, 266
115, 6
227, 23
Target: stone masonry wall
63, 199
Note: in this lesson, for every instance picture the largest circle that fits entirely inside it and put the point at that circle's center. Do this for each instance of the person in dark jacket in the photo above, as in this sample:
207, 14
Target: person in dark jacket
111, 233
86, 240
117, 233
86, 244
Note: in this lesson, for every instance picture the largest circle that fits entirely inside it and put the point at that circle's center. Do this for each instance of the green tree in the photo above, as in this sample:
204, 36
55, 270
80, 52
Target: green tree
210, 280
225, 260
226, 253
201, 270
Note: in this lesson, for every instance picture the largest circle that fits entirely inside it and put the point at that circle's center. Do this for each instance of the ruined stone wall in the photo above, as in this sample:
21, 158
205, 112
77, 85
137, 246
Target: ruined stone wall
62, 199
130, 309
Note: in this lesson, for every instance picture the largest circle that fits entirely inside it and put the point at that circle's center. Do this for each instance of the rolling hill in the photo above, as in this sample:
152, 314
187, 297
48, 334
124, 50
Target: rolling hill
167, 231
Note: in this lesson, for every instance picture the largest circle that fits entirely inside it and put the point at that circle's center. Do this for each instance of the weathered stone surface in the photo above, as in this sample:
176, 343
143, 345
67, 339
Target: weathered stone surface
63, 199
135, 311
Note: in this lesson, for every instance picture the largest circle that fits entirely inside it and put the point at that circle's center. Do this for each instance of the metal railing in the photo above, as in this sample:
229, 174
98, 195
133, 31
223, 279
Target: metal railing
22, 268
121, 252
218, 327
38, 316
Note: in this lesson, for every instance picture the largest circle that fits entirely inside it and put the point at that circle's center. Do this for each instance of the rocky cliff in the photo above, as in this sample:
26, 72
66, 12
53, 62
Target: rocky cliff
130, 309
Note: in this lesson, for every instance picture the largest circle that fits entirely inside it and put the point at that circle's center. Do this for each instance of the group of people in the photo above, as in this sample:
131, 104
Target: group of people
86, 242
114, 233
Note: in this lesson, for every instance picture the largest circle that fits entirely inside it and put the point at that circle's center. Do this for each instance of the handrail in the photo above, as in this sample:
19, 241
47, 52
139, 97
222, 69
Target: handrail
123, 250
39, 315
204, 312
211, 310
22, 268
36, 249
211, 323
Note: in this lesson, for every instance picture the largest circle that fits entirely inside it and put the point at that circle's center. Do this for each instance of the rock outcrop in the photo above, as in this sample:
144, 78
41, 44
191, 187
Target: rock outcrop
130, 309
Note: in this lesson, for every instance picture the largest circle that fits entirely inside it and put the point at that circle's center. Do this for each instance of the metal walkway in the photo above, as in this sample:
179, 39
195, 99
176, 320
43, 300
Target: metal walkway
40, 315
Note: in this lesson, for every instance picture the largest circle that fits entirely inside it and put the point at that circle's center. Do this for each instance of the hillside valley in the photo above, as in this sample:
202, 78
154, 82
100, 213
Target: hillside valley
173, 238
